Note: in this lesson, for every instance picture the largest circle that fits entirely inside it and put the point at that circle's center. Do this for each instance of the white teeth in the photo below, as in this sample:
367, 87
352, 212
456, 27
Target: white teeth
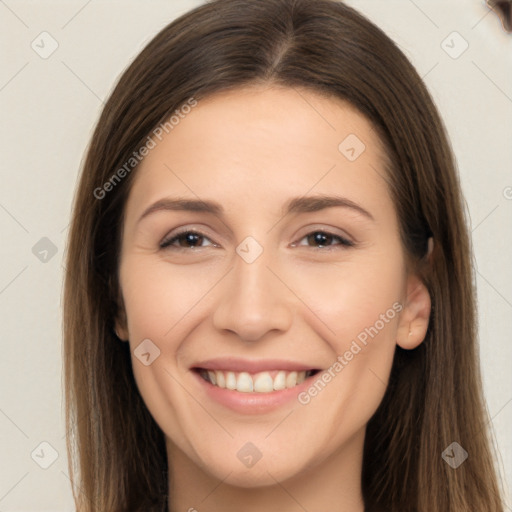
230, 380
244, 383
261, 382
291, 380
219, 377
280, 381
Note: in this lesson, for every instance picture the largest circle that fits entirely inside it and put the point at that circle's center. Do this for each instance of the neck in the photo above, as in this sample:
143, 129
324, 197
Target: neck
333, 484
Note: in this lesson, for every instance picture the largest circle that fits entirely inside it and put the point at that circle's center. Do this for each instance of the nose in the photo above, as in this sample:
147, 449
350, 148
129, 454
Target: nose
254, 300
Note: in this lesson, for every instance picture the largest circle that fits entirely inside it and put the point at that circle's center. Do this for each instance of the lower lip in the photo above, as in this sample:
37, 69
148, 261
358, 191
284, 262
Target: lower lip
251, 403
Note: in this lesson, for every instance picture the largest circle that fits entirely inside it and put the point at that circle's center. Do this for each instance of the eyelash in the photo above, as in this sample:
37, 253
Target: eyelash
167, 244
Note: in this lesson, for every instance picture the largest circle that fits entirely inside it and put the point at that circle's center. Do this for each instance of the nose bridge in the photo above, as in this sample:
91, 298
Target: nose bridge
253, 300
252, 277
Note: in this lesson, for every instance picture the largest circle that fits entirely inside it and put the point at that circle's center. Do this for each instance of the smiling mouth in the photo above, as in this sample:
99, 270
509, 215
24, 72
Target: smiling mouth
261, 382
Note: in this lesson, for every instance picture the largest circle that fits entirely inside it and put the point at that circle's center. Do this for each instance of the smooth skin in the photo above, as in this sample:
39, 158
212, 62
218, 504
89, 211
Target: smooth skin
252, 150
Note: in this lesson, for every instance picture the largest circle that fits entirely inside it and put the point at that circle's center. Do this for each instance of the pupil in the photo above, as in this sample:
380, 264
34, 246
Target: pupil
191, 239
320, 238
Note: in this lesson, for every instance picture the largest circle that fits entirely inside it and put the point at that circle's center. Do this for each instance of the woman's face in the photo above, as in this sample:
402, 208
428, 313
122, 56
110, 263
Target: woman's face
262, 344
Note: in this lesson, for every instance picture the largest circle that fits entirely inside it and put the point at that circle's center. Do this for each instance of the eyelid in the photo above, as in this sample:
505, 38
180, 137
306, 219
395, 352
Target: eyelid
345, 240
181, 231
331, 230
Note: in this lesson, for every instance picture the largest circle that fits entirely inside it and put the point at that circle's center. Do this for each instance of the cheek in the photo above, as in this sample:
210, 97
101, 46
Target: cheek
157, 301
158, 296
351, 296
360, 303
161, 303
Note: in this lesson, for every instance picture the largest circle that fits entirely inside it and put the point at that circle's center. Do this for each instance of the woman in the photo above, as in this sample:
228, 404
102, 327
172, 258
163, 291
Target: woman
268, 300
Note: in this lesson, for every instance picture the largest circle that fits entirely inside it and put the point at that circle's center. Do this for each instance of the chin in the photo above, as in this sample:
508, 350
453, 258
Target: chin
265, 468
260, 475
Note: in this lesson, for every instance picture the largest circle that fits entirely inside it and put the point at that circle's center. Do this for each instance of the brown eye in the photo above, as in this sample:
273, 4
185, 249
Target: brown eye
324, 239
186, 240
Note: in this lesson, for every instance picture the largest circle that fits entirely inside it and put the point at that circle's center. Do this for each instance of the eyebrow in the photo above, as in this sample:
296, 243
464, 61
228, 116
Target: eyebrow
304, 204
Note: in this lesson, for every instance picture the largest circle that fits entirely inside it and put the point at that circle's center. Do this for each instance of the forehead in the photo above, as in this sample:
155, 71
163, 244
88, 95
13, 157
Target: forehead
257, 144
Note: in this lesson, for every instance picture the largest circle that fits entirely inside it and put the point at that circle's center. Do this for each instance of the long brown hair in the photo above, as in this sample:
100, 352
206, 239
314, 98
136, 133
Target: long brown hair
117, 455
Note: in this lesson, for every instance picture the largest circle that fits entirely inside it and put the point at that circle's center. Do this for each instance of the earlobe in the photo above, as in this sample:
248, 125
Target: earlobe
415, 316
120, 334
120, 325
120, 322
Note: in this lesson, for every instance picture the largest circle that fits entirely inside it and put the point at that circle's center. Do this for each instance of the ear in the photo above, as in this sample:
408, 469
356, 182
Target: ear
120, 329
414, 318
120, 322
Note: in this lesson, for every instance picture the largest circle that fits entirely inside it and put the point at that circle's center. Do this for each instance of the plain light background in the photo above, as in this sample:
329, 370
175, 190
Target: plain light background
49, 107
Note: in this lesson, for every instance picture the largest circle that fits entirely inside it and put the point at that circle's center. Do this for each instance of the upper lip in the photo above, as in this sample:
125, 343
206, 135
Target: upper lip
251, 365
